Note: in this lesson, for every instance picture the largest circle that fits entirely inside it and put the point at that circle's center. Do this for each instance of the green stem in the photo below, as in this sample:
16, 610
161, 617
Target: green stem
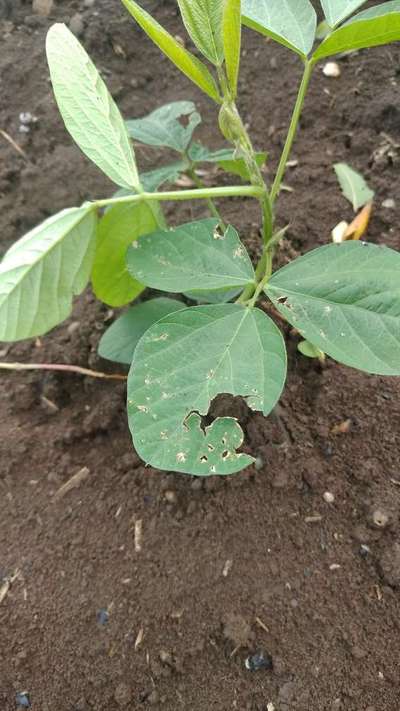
308, 67
197, 194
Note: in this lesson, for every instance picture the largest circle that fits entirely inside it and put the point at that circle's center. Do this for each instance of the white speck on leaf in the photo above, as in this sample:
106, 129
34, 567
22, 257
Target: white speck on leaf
210, 374
218, 235
239, 252
181, 457
142, 408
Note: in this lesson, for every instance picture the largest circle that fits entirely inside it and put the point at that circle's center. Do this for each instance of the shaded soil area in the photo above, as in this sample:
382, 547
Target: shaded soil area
141, 589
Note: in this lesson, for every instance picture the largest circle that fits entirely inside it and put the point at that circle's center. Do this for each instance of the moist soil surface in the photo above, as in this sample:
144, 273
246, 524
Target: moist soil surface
141, 588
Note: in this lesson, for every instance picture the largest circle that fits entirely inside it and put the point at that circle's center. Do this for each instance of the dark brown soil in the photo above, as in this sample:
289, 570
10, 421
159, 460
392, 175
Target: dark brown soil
226, 568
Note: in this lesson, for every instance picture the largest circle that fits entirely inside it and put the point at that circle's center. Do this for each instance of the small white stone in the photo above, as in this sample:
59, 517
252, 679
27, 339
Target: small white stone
43, 7
389, 204
329, 497
331, 69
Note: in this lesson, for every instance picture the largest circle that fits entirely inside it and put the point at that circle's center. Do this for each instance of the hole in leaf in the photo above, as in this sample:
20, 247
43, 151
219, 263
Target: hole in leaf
282, 299
204, 458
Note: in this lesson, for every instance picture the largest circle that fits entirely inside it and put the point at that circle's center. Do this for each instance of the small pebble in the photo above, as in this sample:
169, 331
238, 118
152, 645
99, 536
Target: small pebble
170, 497
103, 616
389, 204
329, 497
76, 24
166, 658
43, 7
331, 69
26, 118
380, 518
88, 3
258, 661
22, 700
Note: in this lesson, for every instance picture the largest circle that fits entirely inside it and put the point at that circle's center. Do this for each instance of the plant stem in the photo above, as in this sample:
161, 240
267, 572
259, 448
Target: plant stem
308, 67
63, 368
197, 194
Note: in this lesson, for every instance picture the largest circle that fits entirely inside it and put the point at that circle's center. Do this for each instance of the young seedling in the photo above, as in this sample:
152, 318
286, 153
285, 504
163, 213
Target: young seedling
343, 299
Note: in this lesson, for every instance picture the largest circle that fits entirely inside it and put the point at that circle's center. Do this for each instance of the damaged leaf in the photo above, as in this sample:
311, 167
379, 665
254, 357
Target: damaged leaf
181, 364
193, 256
118, 343
345, 299
162, 127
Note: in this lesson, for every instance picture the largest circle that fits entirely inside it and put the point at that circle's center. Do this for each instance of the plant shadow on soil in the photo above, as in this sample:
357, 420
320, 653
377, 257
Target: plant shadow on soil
140, 588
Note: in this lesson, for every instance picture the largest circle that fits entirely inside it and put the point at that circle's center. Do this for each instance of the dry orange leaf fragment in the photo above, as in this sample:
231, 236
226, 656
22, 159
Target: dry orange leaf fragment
359, 226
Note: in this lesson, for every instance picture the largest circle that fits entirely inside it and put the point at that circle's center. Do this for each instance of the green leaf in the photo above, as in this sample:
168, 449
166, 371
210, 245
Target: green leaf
309, 350
217, 296
118, 228
181, 364
231, 32
89, 112
226, 159
203, 21
153, 179
162, 127
193, 256
353, 185
289, 22
118, 343
336, 11
41, 273
345, 299
238, 166
184, 60
376, 26
201, 154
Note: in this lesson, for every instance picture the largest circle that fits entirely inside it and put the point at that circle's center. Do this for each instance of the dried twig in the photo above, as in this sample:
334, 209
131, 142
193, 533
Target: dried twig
13, 143
4, 589
72, 483
62, 368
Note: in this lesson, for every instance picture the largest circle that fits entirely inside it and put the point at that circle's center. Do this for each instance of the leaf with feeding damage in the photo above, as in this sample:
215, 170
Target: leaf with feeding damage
345, 299
118, 343
163, 128
193, 256
181, 364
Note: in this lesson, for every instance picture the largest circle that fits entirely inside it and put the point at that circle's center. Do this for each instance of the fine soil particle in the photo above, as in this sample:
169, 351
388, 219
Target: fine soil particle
227, 568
